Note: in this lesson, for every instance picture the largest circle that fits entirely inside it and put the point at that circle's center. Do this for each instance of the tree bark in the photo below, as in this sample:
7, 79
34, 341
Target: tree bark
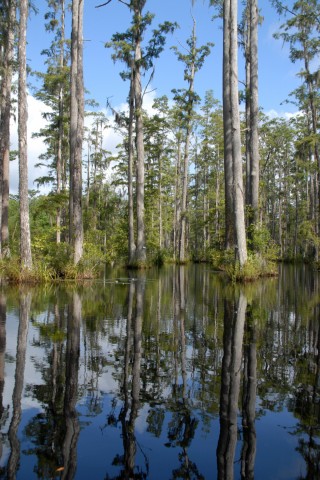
76, 130
132, 246
254, 114
177, 199
140, 255
25, 239
61, 110
5, 124
238, 195
185, 166
228, 173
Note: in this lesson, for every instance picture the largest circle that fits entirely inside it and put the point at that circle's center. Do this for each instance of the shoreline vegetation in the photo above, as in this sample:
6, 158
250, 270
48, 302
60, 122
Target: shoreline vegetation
55, 270
191, 179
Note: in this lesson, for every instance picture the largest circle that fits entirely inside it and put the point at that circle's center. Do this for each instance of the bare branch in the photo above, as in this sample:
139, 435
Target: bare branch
149, 81
103, 4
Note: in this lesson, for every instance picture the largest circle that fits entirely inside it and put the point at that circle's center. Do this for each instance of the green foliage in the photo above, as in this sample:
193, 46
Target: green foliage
92, 260
123, 44
10, 270
255, 267
58, 256
261, 243
222, 259
308, 240
161, 257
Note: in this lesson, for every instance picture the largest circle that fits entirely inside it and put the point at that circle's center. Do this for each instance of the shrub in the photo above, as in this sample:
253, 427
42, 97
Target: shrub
255, 267
161, 257
10, 270
58, 257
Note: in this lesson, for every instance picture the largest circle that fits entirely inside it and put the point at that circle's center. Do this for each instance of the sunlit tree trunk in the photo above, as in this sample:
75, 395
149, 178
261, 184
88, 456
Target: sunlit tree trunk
140, 254
227, 125
10, 6
132, 246
177, 202
238, 191
61, 110
160, 203
76, 130
185, 164
246, 41
253, 114
25, 238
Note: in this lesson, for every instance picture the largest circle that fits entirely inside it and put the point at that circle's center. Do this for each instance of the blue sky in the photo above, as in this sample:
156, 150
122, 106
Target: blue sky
277, 75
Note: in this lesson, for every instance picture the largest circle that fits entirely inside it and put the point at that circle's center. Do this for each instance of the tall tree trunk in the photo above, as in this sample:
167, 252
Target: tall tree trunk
132, 246
140, 255
76, 130
25, 240
254, 114
160, 203
238, 195
177, 202
61, 109
227, 125
185, 165
248, 103
183, 217
5, 124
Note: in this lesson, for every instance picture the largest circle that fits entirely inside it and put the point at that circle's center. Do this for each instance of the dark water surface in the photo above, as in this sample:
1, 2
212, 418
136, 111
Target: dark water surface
167, 374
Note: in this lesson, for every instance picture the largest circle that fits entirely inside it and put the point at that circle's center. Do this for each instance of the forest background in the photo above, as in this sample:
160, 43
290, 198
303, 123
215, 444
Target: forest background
289, 181
278, 76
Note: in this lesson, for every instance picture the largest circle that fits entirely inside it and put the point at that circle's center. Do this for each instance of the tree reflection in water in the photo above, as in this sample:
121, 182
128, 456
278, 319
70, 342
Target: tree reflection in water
158, 353
3, 410
306, 403
54, 431
234, 320
249, 398
71, 393
183, 424
129, 411
24, 311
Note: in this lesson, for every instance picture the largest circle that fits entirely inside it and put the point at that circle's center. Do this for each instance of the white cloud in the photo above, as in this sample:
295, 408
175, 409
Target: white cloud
287, 115
35, 145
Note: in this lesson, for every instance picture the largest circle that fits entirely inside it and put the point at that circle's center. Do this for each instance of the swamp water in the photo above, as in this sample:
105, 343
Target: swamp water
168, 374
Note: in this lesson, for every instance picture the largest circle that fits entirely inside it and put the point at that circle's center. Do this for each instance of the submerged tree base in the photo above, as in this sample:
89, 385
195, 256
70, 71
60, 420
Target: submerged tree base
12, 272
138, 265
49, 269
255, 267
